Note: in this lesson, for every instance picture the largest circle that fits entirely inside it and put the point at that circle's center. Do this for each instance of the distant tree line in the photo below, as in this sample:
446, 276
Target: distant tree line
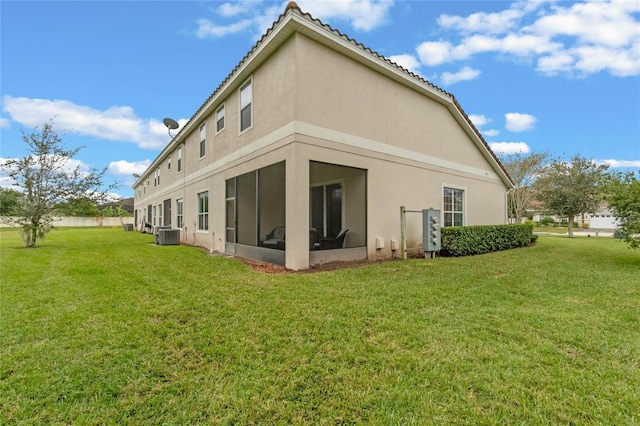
76, 207
568, 188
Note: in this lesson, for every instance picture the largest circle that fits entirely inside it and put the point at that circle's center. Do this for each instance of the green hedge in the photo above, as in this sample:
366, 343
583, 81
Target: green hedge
470, 240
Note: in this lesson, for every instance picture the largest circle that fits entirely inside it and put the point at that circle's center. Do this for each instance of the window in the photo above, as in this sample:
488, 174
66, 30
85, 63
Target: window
153, 221
203, 137
246, 98
158, 174
326, 209
453, 202
169, 163
159, 219
179, 159
179, 212
220, 119
203, 211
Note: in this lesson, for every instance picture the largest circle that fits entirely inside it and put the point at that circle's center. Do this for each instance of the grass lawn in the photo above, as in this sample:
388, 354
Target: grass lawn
553, 229
99, 326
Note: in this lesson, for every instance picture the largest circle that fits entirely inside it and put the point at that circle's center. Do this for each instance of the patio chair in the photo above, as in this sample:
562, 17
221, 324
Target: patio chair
327, 243
275, 239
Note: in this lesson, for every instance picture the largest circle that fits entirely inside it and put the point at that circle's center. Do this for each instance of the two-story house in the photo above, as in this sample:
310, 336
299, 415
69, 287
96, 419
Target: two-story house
306, 151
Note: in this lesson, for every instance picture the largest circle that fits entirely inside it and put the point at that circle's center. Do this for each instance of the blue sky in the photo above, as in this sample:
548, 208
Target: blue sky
562, 77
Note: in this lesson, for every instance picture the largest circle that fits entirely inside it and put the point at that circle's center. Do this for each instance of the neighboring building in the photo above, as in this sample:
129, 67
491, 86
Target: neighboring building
603, 218
311, 134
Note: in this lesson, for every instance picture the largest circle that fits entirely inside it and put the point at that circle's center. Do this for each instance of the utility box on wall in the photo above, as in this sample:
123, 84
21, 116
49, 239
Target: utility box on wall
431, 241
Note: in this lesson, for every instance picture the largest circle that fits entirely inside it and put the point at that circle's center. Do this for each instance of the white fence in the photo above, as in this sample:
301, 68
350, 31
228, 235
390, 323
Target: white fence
82, 221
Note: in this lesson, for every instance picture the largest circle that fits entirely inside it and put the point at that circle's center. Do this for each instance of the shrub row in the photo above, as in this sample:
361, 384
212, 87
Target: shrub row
470, 240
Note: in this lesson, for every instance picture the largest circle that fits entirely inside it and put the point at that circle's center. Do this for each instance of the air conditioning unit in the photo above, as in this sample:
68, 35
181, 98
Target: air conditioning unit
157, 229
168, 237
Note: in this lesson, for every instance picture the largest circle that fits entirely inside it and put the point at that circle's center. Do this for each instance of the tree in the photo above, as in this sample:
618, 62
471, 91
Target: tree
82, 206
47, 177
622, 192
524, 169
571, 188
8, 201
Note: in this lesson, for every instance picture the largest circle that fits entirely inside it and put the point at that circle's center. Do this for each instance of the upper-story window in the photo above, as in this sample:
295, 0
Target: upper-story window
203, 139
179, 159
169, 163
246, 99
220, 119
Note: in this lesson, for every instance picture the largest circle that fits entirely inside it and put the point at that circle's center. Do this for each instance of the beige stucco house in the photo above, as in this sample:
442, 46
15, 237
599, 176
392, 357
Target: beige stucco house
311, 135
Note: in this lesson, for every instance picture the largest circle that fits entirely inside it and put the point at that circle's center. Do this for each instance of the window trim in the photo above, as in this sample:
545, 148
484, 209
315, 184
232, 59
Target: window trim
179, 155
203, 140
203, 214
224, 116
160, 215
180, 213
247, 83
464, 204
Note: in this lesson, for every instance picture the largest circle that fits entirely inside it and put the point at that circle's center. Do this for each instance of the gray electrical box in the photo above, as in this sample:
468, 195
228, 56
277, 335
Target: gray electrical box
431, 241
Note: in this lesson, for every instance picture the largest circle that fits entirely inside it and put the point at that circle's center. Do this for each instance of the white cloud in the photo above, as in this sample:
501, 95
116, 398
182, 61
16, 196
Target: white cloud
598, 22
128, 168
483, 22
620, 163
363, 15
206, 28
5, 123
592, 59
232, 9
556, 62
432, 53
118, 123
509, 147
479, 120
465, 74
584, 38
407, 61
517, 122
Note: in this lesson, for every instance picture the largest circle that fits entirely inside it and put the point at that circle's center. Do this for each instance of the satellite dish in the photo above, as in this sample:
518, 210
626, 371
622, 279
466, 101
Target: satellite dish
170, 123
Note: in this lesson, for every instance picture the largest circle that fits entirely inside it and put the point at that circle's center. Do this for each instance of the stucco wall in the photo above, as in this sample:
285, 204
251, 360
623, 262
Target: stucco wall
311, 104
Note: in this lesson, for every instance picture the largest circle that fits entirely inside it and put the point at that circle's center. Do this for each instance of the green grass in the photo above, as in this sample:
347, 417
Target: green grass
99, 326
552, 229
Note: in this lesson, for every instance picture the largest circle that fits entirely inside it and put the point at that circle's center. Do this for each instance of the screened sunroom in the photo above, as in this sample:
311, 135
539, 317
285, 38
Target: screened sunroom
256, 211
